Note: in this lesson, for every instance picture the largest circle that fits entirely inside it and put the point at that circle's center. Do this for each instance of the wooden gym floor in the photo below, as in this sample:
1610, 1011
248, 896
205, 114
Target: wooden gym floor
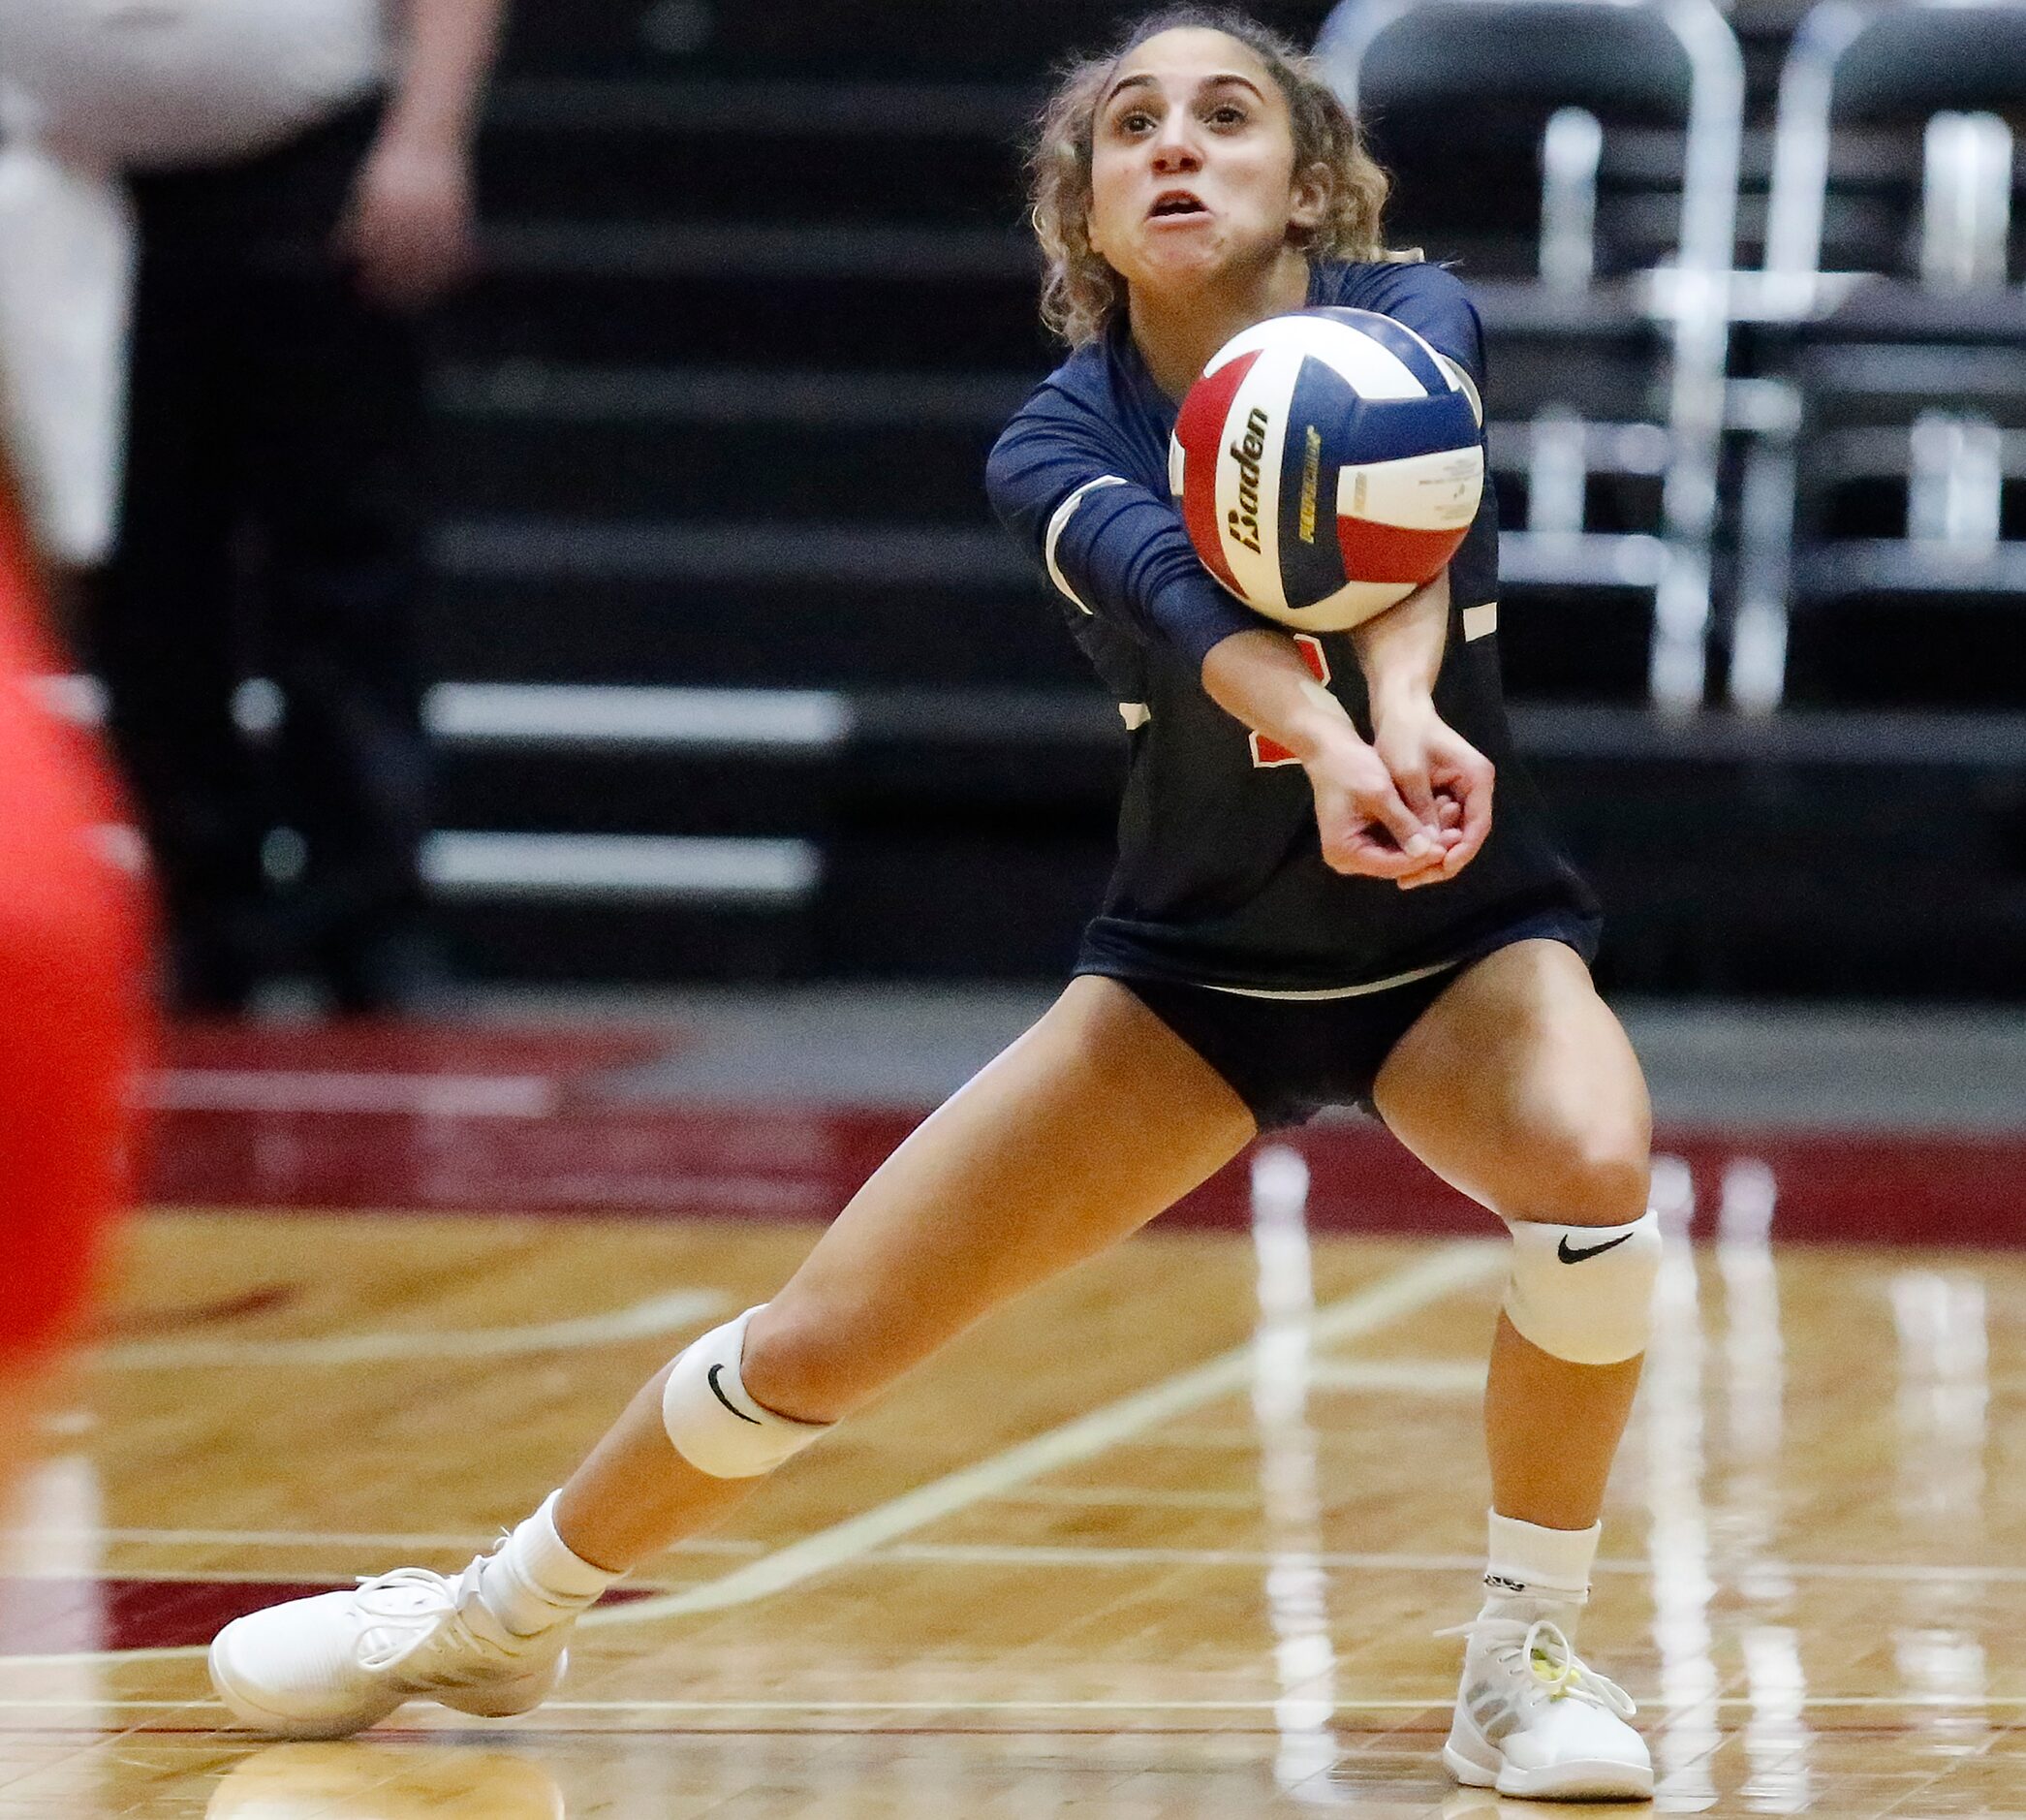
1169, 1538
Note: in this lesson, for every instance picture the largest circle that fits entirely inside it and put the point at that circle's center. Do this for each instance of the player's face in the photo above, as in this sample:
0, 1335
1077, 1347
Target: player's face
1193, 163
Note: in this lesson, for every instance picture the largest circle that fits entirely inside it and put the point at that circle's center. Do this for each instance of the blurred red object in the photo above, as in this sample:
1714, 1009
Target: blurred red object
74, 1018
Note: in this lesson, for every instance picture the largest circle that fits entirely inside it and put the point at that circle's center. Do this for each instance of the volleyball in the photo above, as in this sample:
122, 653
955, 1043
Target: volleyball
1328, 463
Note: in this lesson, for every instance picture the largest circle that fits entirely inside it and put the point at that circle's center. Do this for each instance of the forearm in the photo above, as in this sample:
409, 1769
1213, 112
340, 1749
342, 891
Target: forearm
1112, 548
1260, 679
446, 55
1401, 651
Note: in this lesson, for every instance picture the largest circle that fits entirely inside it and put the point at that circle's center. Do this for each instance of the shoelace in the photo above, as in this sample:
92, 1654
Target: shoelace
397, 1621
1562, 1674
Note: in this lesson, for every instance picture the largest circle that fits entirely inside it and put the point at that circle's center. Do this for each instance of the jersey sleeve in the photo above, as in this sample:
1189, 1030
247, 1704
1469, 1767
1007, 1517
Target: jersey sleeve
1110, 546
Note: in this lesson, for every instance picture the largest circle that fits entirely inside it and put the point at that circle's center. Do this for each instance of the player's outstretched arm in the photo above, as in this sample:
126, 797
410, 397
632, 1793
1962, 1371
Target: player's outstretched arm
1439, 776
1258, 678
1110, 548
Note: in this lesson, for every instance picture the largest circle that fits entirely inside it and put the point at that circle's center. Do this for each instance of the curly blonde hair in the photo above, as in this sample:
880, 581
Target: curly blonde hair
1080, 292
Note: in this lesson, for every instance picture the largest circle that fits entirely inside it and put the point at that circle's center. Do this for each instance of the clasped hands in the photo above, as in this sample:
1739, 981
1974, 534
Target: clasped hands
1414, 806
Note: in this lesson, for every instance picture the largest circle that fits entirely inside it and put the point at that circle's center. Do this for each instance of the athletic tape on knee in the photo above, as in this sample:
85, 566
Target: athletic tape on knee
1584, 1293
714, 1424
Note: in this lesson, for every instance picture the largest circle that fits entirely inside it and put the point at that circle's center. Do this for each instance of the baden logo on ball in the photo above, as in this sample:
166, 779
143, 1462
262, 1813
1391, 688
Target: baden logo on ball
1328, 463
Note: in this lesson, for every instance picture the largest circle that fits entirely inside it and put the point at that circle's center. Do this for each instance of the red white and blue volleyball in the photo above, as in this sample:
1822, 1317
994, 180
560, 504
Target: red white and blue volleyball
1328, 463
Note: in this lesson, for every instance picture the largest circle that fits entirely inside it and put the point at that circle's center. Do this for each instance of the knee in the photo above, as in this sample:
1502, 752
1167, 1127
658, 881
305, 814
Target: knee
1595, 1175
800, 1360
1585, 1250
1584, 1293
718, 1422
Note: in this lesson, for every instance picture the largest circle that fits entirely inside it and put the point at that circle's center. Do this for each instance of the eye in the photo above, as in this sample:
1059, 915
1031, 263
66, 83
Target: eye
1228, 113
1133, 120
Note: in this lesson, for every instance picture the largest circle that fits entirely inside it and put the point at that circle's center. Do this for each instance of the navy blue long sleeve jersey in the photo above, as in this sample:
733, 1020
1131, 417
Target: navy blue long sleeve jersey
1220, 878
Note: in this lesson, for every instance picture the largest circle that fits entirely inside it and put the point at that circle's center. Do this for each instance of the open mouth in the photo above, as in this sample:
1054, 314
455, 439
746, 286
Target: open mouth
1175, 204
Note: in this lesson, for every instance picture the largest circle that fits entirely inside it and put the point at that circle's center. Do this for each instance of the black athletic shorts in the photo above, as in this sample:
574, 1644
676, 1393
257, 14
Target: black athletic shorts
1287, 1058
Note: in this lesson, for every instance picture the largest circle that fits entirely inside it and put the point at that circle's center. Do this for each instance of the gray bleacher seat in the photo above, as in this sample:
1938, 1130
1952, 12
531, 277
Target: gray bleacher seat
1888, 311
1610, 352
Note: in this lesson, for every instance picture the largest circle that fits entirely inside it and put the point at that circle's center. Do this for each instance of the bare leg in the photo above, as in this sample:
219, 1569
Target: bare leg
1089, 1125
635, 1494
1518, 1086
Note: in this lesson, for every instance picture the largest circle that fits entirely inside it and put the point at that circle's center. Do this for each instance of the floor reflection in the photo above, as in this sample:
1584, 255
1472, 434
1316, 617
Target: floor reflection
1297, 1589
1687, 1735
1777, 1739
1944, 1435
363, 1781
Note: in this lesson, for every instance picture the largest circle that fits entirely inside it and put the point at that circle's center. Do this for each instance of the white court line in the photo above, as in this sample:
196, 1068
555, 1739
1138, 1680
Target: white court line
211, 1577
182, 1653
659, 1315
1016, 1555
1428, 1280
334, 1090
1042, 1554
162, 1576
1441, 1697
1408, 1378
86, 1703
1140, 1497
1436, 1700
320, 1539
995, 1554
1411, 1377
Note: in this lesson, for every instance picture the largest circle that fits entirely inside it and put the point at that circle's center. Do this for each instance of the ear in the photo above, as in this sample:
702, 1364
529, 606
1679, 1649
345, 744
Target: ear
1312, 193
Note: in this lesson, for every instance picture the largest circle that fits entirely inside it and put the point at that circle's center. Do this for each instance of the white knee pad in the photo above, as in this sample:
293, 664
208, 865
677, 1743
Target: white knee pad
1584, 1293
714, 1424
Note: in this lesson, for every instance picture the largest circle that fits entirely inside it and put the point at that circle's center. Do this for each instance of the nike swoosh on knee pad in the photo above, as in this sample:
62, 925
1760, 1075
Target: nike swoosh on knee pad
1562, 1251
710, 1377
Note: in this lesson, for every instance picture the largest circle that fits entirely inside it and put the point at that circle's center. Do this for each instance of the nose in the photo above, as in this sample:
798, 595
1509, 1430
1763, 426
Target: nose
1175, 148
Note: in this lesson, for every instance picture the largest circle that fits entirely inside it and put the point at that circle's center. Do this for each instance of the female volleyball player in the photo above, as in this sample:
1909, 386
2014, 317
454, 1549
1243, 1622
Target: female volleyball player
1301, 917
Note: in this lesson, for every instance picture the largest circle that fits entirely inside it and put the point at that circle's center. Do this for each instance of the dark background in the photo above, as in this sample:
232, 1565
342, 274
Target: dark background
759, 296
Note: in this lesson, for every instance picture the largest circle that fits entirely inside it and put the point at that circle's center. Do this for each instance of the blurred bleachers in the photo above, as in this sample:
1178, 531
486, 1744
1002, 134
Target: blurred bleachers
710, 442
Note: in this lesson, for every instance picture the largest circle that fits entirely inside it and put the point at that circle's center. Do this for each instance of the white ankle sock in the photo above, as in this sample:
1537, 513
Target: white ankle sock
1535, 1573
536, 1580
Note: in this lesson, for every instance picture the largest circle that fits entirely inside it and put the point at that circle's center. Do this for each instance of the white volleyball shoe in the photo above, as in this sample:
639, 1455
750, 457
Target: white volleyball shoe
1531, 1721
328, 1666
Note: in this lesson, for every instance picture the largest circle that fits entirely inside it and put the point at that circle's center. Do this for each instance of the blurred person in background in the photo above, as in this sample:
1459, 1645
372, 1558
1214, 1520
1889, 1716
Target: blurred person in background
300, 177
74, 984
